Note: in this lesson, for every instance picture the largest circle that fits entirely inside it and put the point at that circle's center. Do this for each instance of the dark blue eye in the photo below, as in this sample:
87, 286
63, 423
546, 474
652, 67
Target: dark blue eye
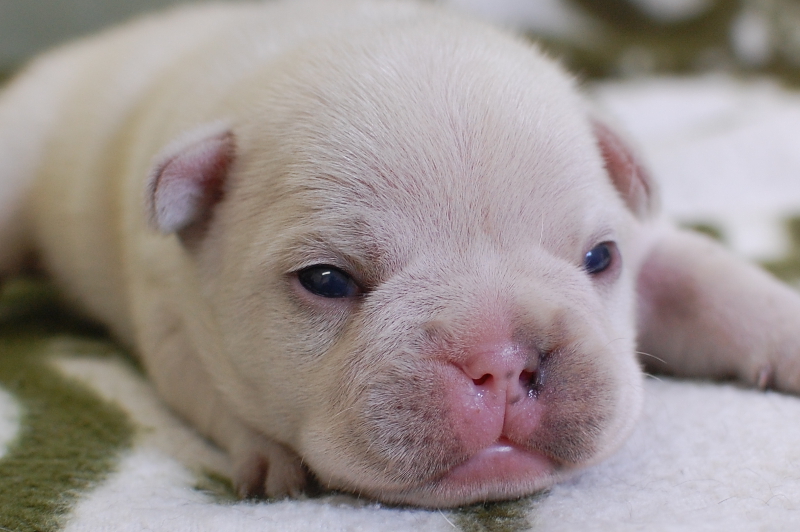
328, 281
598, 259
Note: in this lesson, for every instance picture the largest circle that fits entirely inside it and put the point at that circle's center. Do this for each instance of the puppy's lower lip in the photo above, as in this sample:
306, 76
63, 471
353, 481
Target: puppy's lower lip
501, 462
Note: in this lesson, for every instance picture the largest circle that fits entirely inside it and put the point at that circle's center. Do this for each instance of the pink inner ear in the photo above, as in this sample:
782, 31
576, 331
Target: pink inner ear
186, 186
627, 174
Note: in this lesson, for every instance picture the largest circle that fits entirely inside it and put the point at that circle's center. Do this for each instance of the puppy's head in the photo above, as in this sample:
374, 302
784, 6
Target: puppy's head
420, 264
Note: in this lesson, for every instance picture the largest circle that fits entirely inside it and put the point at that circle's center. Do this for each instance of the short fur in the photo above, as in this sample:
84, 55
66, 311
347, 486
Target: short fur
175, 174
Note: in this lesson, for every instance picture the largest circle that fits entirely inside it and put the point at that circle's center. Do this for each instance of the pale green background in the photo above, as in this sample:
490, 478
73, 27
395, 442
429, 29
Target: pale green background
29, 26
632, 41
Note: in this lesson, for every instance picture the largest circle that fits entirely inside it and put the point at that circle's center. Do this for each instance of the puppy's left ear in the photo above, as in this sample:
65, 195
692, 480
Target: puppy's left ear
188, 178
629, 176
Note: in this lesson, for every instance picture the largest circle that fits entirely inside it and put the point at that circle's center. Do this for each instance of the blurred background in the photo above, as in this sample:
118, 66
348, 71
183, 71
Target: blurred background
601, 38
30, 26
597, 38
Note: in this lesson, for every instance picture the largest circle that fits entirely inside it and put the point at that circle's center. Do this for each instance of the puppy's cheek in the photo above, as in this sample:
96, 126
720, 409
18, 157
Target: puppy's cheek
388, 435
410, 413
579, 397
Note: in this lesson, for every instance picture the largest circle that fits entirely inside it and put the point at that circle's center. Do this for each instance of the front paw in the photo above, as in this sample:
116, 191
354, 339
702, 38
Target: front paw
780, 370
263, 468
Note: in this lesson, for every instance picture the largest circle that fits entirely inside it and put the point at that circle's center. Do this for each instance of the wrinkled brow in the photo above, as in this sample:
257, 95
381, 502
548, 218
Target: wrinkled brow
352, 248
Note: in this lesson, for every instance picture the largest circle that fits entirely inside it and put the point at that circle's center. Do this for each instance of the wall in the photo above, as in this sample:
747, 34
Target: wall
29, 26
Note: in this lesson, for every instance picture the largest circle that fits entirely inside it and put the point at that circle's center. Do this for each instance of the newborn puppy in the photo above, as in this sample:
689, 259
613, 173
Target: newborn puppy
371, 242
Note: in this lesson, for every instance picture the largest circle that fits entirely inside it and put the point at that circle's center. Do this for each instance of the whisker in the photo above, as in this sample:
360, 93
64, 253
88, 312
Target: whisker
652, 356
612, 341
449, 522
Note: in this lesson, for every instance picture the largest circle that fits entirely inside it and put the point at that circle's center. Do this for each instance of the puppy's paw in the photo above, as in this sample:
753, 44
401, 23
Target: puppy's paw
780, 368
263, 468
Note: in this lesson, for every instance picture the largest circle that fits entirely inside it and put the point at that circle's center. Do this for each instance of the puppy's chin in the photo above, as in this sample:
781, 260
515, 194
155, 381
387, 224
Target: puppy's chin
499, 472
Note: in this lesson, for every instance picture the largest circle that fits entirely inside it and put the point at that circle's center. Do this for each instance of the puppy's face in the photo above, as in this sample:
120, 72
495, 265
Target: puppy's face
423, 271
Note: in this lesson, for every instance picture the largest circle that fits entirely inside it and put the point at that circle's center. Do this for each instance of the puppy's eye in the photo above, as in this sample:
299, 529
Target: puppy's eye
599, 258
328, 281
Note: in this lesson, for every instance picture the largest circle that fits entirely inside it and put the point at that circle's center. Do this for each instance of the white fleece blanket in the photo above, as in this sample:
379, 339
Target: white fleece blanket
705, 456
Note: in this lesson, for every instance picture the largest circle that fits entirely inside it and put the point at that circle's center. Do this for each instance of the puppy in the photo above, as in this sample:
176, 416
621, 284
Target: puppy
370, 242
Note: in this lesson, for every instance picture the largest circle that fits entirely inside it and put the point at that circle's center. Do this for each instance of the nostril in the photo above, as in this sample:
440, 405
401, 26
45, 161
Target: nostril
481, 381
527, 379
505, 369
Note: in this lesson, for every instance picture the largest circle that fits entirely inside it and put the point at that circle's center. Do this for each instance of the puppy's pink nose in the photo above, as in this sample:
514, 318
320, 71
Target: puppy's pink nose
506, 372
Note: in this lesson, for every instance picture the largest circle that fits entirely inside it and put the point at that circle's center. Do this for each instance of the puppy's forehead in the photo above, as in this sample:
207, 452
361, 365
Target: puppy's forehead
432, 130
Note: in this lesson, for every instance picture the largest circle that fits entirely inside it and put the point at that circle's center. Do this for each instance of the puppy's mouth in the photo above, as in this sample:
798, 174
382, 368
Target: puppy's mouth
500, 471
502, 462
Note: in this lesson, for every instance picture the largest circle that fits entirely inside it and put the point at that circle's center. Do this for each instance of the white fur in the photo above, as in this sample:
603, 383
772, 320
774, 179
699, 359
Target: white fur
451, 169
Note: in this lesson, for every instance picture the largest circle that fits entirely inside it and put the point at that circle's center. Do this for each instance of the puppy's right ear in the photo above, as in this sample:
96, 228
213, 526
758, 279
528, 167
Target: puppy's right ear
188, 179
629, 176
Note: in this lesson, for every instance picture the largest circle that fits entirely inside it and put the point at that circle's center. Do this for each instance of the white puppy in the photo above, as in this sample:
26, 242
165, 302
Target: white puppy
370, 242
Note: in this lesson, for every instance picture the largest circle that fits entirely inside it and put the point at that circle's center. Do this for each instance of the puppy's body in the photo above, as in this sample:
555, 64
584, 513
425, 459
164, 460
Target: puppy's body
191, 180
